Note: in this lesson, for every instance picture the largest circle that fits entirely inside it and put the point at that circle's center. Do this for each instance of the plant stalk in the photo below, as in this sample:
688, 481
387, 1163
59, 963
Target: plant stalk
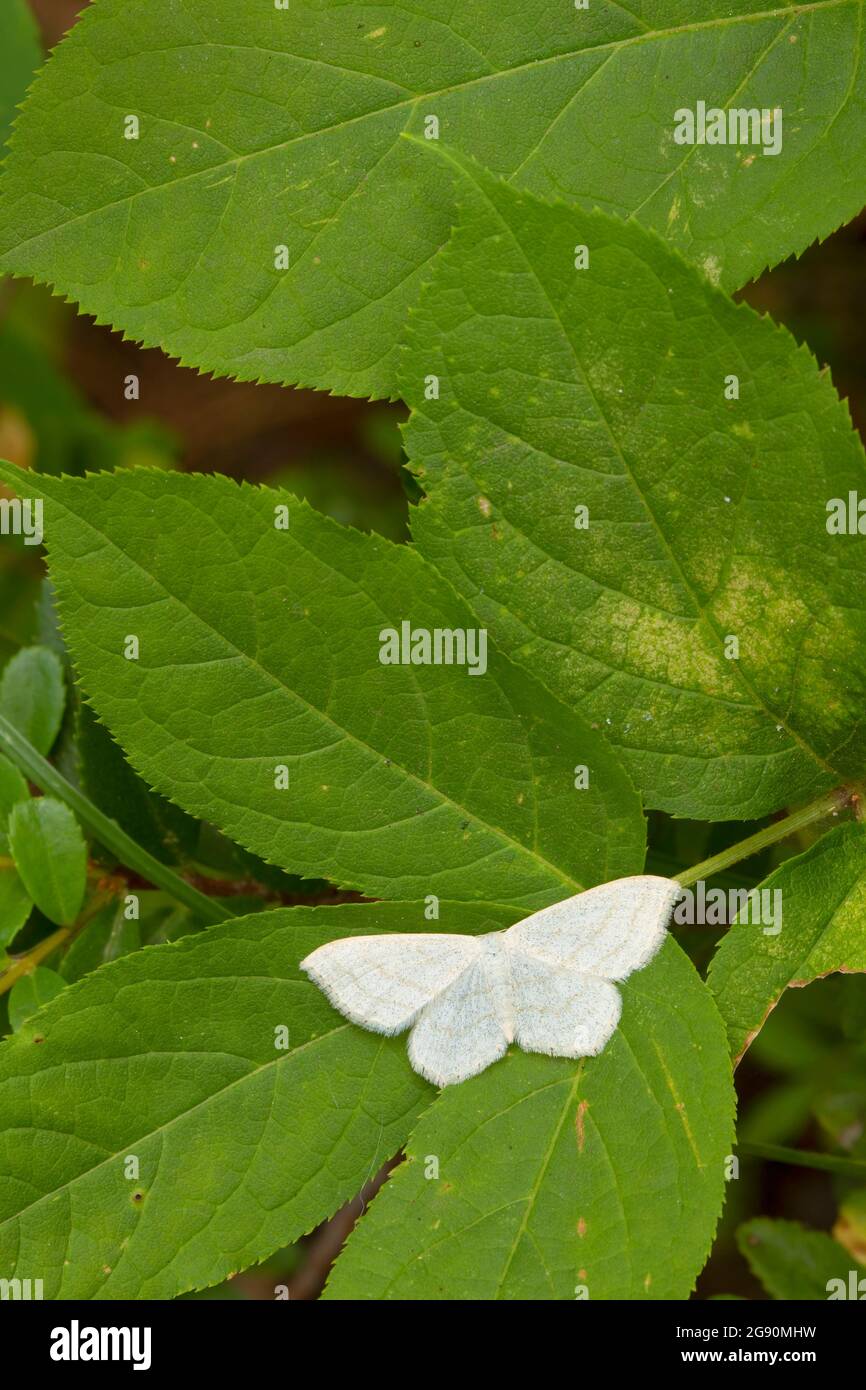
828, 805
801, 1158
25, 965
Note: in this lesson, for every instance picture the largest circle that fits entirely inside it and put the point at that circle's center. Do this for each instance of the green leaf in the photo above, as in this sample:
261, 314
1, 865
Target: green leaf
608, 1174
107, 937
263, 128
173, 1056
15, 902
32, 991
106, 777
259, 651
20, 53
13, 789
32, 695
50, 856
793, 1262
15, 905
823, 919
604, 388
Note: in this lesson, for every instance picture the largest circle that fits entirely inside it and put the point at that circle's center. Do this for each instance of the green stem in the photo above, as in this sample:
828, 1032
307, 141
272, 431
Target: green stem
25, 965
106, 831
800, 1158
834, 802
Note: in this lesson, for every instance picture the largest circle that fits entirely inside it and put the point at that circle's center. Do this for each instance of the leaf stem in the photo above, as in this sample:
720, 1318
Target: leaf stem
25, 965
801, 1158
107, 831
828, 805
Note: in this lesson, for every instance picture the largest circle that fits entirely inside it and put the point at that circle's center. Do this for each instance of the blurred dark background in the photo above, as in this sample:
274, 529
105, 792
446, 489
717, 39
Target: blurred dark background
62, 406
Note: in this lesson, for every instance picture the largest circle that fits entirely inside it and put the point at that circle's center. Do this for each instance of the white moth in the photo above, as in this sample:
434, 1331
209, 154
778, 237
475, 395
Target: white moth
546, 983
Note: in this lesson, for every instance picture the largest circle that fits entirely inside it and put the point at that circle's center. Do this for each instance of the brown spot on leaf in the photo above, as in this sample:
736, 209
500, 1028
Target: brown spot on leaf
579, 1124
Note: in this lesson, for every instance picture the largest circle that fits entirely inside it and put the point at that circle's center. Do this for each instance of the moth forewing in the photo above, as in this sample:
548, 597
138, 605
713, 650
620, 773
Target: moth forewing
608, 931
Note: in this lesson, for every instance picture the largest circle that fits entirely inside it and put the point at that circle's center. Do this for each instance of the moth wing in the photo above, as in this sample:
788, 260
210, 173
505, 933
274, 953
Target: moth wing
607, 931
465, 1028
559, 1010
381, 982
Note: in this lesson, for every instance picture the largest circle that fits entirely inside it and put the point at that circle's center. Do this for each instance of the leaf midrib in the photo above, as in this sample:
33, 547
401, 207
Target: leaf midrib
528, 1201
55, 894
507, 840
701, 615
547, 1159
615, 45
488, 1117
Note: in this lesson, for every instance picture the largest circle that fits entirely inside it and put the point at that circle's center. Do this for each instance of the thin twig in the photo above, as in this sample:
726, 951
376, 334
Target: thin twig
802, 1158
